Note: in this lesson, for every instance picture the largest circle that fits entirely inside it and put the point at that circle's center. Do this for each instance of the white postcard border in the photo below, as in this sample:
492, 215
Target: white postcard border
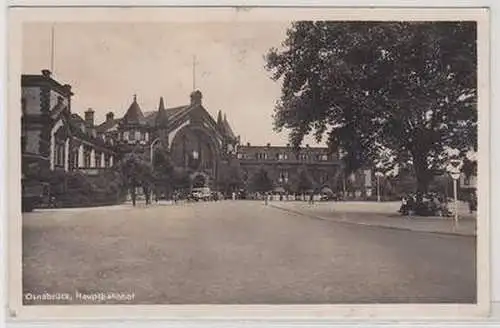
289, 312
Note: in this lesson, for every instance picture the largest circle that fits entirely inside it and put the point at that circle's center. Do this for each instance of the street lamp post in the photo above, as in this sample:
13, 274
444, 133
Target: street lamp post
454, 171
378, 175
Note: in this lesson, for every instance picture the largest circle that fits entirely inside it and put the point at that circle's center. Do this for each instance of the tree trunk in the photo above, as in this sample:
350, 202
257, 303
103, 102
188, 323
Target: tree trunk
423, 176
133, 195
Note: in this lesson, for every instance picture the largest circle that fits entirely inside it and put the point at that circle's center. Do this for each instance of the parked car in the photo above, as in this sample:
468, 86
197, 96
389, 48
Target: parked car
203, 193
432, 205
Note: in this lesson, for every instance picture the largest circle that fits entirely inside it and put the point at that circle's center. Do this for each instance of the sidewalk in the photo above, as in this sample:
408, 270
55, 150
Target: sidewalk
381, 215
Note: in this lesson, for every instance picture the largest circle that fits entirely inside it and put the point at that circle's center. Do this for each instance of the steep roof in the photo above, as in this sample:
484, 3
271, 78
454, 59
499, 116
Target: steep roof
150, 116
134, 114
76, 123
227, 128
106, 125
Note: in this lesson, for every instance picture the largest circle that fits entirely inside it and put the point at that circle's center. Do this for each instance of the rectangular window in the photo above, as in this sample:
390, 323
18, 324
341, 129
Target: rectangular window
106, 160
86, 158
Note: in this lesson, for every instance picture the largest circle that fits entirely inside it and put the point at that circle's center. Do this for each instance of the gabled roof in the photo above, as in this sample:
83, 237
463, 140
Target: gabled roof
150, 117
75, 126
106, 125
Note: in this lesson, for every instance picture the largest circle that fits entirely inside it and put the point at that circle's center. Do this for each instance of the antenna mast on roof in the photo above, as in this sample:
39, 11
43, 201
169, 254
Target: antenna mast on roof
52, 48
194, 72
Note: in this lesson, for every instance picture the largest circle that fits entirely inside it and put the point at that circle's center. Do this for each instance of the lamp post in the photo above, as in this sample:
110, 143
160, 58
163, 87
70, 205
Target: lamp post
378, 175
454, 171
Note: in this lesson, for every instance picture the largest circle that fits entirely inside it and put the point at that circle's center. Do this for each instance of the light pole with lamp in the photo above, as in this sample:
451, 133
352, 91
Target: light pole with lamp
454, 171
378, 174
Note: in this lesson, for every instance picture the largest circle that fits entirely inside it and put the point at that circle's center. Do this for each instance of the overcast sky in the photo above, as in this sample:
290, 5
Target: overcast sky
108, 63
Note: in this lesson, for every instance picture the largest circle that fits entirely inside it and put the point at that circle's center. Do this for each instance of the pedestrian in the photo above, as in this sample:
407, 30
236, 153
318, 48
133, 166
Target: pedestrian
266, 198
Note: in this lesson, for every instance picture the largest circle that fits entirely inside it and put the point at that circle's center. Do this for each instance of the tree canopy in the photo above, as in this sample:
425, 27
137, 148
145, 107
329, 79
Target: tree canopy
135, 170
261, 182
387, 94
303, 181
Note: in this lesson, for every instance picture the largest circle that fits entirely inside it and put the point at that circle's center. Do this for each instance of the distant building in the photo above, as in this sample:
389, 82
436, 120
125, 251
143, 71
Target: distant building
57, 139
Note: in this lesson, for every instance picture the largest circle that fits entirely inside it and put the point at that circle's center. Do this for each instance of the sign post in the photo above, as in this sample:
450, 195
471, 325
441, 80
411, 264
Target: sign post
378, 175
454, 171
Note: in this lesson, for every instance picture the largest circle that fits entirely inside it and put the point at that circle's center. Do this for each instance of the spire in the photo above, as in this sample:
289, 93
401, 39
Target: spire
161, 107
227, 128
161, 117
219, 118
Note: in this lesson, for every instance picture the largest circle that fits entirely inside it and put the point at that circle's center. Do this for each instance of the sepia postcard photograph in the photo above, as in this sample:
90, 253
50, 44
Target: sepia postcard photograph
287, 161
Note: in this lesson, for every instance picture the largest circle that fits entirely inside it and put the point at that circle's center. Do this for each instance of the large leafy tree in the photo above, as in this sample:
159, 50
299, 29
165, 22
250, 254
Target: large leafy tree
303, 181
163, 171
231, 178
389, 94
135, 171
261, 182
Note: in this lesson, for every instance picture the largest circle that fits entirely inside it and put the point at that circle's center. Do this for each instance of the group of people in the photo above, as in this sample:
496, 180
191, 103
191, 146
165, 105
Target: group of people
431, 204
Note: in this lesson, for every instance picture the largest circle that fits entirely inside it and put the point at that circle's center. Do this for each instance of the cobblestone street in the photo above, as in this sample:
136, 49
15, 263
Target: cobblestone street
240, 252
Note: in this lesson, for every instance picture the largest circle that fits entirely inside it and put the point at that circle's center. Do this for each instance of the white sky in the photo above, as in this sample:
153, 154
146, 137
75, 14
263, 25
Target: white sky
107, 63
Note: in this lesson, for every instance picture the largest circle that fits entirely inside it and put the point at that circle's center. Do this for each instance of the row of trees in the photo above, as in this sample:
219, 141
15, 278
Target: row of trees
160, 176
390, 95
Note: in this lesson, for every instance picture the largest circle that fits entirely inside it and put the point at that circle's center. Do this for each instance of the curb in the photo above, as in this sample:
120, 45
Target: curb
372, 225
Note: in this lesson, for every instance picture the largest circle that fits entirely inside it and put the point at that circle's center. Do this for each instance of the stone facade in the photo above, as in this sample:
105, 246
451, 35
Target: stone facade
206, 147
54, 138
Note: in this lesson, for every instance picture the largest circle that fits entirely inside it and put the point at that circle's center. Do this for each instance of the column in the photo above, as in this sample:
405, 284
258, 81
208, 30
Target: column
52, 151
81, 156
111, 160
92, 158
66, 155
103, 163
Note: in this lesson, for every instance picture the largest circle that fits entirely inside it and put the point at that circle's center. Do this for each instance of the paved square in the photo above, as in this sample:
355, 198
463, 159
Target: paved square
239, 252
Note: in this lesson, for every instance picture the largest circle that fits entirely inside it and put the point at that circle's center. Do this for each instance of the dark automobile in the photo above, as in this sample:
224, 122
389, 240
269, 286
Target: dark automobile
430, 205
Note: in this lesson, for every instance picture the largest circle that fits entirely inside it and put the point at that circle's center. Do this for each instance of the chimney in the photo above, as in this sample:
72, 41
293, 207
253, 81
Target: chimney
89, 118
248, 144
287, 145
307, 146
46, 73
268, 144
196, 97
110, 116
